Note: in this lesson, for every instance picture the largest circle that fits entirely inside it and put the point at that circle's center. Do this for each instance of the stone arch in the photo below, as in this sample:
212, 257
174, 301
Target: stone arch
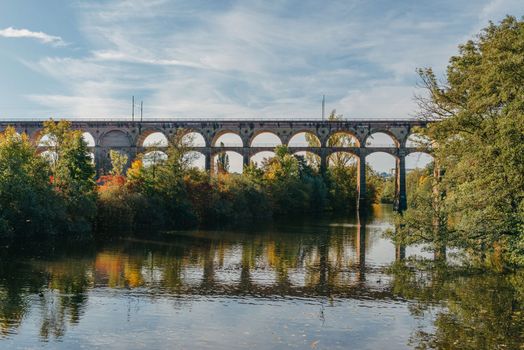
224, 135
299, 139
115, 138
383, 137
235, 161
352, 141
148, 136
277, 141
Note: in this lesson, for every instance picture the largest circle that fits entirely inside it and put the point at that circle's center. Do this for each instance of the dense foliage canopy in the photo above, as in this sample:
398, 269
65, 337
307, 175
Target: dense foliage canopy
477, 199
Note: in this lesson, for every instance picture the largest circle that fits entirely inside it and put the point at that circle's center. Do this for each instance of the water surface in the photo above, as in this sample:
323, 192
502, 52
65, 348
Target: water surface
314, 284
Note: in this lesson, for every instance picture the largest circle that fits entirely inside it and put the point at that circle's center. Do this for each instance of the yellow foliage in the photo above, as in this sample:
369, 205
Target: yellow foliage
135, 170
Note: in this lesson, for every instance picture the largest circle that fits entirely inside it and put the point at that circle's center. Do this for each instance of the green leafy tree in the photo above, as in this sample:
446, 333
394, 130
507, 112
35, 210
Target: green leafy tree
164, 184
118, 162
480, 137
73, 175
222, 161
29, 205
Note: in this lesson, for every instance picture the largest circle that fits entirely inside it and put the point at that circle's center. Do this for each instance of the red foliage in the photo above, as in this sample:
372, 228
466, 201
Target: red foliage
106, 181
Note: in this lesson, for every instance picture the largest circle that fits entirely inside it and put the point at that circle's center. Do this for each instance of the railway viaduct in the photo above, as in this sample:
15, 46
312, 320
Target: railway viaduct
128, 137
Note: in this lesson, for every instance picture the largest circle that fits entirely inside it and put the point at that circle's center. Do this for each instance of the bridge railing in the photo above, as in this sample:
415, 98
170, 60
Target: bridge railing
5, 119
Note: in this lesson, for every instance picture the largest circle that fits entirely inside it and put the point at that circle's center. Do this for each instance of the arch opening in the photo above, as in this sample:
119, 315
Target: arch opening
155, 139
47, 140
266, 139
381, 174
418, 141
418, 160
342, 159
384, 164
195, 159
381, 139
260, 157
233, 160
153, 158
342, 139
312, 159
194, 139
88, 139
50, 156
304, 139
419, 179
228, 139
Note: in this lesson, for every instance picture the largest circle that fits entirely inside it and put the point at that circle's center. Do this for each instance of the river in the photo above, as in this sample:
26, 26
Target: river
308, 284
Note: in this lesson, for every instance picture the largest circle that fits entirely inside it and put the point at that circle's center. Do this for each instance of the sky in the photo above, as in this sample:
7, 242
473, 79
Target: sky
219, 59
228, 59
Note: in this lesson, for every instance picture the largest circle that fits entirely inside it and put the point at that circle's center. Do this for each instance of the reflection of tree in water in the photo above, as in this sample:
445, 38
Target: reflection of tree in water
64, 303
481, 310
22, 287
18, 284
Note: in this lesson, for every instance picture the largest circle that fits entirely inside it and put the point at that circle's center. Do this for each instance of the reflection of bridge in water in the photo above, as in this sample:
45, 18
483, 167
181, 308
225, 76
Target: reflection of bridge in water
332, 265
128, 137
313, 260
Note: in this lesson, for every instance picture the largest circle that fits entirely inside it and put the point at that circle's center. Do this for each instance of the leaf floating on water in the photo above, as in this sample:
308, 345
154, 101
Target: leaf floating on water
314, 344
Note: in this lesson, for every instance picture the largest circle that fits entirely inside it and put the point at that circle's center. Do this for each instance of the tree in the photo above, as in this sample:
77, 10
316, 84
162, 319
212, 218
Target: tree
29, 206
480, 137
73, 175
164, 183
341, 175
222, 161
118, 162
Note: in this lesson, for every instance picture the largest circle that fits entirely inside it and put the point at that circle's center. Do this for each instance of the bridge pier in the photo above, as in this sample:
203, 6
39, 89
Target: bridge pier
98, 164
323, 161
400, 187
208, 160
245, 157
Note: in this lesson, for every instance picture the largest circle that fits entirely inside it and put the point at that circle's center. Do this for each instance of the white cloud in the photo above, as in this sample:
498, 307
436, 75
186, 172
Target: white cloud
261, 59
118, 56
65, 106
496, 10
394, 101
11, 32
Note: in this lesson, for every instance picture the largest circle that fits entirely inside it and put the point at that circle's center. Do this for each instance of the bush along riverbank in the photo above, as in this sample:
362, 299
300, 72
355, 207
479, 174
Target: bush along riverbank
55, 193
